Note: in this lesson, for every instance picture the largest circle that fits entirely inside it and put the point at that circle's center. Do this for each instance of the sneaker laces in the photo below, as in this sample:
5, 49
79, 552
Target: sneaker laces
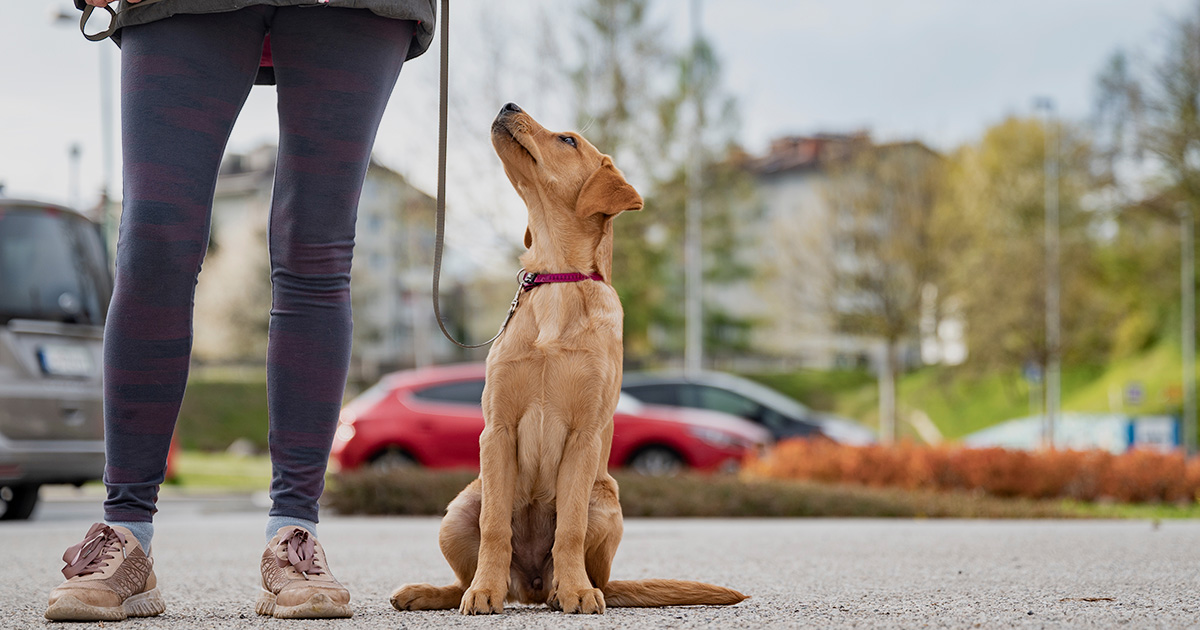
301, 552
89, 555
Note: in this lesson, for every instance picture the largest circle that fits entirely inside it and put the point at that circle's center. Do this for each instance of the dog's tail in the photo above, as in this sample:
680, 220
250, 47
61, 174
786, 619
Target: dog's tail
643, 593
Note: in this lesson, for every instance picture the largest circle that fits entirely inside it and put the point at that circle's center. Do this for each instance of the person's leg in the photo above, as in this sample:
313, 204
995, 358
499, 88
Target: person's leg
335, 70
183, 81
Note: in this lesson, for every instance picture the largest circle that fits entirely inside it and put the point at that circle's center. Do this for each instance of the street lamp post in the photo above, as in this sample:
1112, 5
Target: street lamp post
693, 350
1053, 350
1187, 281
65, 16
74, 153
106, 146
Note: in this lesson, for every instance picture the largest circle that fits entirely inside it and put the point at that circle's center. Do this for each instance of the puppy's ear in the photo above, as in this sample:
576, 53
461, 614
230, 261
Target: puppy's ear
607, 191
528, 238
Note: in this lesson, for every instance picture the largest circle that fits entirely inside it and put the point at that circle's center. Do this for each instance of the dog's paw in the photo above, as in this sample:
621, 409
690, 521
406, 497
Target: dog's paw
587, 601
419, 597
482, 601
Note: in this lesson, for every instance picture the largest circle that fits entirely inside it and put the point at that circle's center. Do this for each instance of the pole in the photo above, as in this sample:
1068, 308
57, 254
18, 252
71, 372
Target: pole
1188, 290
74, 154
107, 222
1053, 350
887, 394
693, 354
421, 337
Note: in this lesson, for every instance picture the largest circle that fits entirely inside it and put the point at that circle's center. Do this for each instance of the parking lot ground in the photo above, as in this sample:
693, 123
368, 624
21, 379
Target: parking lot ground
800, 573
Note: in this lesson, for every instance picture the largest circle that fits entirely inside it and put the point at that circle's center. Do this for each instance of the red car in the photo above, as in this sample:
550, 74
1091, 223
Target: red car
432, 417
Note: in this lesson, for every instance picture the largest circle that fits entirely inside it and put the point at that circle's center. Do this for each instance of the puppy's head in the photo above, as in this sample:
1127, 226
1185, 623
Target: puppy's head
560, 171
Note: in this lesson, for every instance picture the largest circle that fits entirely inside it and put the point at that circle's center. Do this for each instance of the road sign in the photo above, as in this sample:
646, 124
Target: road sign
1032, 373
1135, 393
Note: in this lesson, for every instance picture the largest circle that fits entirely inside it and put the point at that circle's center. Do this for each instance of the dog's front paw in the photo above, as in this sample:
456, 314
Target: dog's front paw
587, 601
482, 600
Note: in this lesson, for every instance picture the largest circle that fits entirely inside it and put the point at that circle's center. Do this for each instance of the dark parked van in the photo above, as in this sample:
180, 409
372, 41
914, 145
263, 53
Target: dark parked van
54, 292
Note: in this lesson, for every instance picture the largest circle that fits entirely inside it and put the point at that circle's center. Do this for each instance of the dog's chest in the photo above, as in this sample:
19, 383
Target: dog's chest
565, 318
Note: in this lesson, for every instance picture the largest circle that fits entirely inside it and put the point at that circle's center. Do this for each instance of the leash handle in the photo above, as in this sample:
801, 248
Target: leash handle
112, 20
103, 35
440, 232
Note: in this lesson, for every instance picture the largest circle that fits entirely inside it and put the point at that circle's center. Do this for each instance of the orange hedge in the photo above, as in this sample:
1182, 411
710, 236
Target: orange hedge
1138, 476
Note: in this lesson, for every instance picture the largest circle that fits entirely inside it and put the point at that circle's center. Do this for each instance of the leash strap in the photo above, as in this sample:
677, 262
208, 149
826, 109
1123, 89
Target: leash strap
525, 281
439, 237
112, 20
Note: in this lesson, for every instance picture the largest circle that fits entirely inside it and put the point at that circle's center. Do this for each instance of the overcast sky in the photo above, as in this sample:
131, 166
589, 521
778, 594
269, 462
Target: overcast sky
940, 71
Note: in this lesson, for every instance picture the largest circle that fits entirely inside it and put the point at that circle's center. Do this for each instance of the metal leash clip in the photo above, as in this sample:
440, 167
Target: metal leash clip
523, 284
527, 279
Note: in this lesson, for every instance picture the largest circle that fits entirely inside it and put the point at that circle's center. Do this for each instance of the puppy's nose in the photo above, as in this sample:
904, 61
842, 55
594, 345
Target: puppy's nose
510, 107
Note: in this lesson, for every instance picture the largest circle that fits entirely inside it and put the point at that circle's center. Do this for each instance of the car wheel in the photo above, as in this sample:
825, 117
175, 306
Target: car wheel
393, 459
18, 501
657, 461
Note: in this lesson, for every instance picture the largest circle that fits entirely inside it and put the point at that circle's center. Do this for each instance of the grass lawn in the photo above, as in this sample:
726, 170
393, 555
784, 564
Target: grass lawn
195, 470
1132, 511
960, 404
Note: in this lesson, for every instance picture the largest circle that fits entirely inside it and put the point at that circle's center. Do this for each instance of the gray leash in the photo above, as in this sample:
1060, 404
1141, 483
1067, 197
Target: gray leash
441, 200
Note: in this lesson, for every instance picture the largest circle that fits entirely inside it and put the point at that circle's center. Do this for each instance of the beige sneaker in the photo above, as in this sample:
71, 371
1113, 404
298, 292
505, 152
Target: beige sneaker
296, 581
109, 578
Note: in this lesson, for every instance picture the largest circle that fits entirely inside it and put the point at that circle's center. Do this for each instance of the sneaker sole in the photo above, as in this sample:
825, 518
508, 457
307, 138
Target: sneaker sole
68, 608
318, 606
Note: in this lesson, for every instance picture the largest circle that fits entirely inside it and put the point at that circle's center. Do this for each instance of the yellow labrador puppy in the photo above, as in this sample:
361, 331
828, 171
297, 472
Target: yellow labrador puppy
542, 522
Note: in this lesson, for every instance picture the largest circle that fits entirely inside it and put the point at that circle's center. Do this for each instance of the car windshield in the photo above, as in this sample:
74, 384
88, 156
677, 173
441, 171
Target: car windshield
765, 396
628, 405
370, 396
52, 267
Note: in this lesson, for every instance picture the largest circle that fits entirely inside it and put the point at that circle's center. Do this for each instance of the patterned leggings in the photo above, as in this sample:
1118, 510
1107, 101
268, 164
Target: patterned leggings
183, 81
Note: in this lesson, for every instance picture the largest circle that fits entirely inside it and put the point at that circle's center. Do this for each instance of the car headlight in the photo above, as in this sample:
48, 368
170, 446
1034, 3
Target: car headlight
345, 433
714, 437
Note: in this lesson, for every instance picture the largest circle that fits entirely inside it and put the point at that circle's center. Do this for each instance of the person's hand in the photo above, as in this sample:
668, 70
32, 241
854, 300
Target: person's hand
104, 3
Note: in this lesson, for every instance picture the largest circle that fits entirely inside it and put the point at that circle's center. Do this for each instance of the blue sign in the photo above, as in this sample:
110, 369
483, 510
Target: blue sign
1135, 393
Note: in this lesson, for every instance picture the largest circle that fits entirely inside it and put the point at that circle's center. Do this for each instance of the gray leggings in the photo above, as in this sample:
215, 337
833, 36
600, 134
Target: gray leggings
184, 80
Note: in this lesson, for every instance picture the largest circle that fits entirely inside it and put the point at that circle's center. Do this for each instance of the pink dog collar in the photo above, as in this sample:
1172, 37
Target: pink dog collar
531, 280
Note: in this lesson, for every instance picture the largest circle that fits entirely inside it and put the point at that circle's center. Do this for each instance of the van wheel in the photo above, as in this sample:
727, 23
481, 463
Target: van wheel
656, 461
18, 501
393, 459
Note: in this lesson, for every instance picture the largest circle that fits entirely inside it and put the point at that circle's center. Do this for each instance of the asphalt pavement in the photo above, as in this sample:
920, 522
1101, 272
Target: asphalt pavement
800, 573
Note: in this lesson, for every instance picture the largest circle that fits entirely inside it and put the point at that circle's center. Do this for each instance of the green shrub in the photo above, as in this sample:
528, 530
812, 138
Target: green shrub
413, 492
423, 492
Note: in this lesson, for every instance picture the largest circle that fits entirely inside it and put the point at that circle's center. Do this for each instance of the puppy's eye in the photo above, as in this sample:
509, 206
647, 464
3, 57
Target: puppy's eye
568, 139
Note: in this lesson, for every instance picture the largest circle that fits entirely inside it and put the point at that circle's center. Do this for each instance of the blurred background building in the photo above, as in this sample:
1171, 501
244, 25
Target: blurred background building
393, 319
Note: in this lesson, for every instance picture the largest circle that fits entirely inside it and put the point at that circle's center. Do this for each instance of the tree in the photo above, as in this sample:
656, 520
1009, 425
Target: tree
622, 61
993, 220
885, 252
1147, 121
